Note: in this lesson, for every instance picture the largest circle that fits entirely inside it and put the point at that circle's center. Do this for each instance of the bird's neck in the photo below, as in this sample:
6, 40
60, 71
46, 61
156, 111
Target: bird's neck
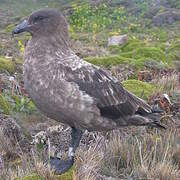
57, 40
49, 47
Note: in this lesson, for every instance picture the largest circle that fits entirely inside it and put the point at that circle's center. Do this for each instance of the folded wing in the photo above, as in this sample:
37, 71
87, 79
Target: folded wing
111, 98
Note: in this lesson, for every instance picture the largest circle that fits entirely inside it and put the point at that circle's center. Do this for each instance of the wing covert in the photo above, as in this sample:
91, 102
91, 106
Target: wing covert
111, 98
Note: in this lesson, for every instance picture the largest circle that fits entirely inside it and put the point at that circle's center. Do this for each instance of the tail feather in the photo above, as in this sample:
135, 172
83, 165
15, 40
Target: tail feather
149, 120
145, 115
155, 117
158, 125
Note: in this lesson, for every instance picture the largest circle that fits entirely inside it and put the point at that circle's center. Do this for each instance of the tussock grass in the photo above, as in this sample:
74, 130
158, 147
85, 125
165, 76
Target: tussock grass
128, 153
149, 156
168, 83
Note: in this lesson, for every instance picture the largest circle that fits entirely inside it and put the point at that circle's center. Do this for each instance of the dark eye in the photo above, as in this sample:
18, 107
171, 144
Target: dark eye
38, 18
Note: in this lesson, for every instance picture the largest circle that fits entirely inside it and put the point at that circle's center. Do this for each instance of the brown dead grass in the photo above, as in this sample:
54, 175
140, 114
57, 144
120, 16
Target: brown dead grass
122, 155
147, 156
149, 152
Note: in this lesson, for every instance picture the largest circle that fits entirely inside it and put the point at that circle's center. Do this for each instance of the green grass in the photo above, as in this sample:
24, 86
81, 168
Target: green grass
108, 61
4, 106
145, 52
136, 57
31, 177
141, 51
131, 45
139, 88
66, 176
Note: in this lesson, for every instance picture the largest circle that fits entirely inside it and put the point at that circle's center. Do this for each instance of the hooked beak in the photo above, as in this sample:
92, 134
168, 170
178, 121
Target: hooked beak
22, 27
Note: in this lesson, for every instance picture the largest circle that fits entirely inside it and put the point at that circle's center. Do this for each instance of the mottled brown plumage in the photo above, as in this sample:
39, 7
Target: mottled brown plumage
70, 90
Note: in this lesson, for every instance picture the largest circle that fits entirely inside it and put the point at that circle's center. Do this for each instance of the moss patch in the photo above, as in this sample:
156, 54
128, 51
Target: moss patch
66, 176
129, 46
31, 177
108, 61
139, 88
4, 107
125, 58
145, 52
140, 51
8, 65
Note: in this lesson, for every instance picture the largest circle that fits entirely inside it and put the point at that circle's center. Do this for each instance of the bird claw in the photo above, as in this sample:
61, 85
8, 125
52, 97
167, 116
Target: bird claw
60, 166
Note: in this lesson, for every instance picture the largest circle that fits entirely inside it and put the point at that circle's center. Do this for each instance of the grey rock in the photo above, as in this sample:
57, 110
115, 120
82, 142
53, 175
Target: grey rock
117, 40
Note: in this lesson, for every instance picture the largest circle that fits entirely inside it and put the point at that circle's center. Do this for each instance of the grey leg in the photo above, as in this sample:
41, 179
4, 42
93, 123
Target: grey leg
61, 166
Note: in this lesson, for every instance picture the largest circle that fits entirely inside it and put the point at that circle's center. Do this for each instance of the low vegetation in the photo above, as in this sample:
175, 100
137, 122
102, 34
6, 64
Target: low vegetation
4, 106
151, 48
139, 88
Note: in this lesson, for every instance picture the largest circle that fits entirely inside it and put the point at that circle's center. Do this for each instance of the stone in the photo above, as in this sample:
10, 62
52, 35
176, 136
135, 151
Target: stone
117, 40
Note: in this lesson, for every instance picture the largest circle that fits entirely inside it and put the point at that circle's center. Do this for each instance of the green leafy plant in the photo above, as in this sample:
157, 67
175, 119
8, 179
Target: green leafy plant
96, 18
23, 104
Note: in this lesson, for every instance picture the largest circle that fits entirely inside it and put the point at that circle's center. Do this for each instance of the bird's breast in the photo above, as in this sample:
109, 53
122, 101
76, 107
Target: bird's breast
56, 97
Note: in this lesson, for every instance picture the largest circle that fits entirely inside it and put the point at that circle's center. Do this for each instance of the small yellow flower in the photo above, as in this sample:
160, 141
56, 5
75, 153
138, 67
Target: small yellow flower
21, 46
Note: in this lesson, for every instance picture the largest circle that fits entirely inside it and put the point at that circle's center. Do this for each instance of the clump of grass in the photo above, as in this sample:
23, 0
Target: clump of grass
144, 157
88, 163
168, 83
32, 168
163, 171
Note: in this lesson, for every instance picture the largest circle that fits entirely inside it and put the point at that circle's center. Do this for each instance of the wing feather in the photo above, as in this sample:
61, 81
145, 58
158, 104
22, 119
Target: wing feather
111, 98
